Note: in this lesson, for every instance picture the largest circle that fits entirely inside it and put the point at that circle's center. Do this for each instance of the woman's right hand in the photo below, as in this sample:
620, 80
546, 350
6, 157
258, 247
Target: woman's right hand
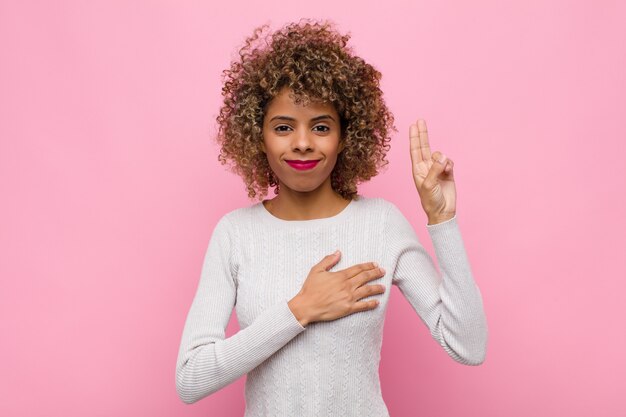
327, 296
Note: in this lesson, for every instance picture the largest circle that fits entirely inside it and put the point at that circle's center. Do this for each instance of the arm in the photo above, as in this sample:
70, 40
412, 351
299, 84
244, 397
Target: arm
451, 306
206, 360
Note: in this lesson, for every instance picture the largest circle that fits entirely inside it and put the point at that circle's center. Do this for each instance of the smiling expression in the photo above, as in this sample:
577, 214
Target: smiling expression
293, 132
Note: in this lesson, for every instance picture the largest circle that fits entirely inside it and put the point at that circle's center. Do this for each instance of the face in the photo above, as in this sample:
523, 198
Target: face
296, 132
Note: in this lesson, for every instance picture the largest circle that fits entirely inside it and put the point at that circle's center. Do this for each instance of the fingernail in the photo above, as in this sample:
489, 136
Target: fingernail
383, 270
375, 265
442, 159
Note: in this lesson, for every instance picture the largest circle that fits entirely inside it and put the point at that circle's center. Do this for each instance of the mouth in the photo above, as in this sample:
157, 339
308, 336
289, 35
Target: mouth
303, 165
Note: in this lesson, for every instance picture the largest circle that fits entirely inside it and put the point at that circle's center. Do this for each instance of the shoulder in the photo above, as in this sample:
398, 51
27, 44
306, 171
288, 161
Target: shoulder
240, 218
377, 210
379, 205
388, 213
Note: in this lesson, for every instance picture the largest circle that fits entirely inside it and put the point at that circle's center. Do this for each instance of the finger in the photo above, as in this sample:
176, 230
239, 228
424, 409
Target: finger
367, 276
364, 305
414, 144
358, 268
423, 135
435, 170
329, 261
368, 290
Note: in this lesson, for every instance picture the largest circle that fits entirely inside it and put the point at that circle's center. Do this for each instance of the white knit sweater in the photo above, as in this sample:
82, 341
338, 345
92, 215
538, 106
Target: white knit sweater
256, 262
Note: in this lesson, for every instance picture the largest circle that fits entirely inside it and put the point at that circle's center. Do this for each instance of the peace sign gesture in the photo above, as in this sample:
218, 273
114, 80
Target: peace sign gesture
433, 176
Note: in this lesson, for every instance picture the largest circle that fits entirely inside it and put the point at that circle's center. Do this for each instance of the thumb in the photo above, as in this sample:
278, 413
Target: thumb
436, 169
329, 260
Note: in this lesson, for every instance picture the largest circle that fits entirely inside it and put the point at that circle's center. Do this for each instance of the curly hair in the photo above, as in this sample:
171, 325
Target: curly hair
312, 59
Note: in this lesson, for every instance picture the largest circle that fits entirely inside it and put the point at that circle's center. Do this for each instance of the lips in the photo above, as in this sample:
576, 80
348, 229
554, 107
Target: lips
303, 165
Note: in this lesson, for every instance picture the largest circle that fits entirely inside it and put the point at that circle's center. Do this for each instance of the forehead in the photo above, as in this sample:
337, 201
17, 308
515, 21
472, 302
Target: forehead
283, 103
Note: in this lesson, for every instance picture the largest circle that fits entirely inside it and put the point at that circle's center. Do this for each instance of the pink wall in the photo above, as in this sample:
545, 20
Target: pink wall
111, 187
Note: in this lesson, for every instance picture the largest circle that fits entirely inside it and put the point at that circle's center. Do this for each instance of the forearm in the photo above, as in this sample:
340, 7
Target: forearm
462, 324
207, 366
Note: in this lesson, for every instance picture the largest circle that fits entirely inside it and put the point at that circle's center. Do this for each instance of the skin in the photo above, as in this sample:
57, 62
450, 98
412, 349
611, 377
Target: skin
304, 195
433, 176
293, 131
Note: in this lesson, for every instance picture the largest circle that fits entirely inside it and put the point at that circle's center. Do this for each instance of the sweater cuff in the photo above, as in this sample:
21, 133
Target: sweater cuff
270, 331
430, 226
445, 235
448, 242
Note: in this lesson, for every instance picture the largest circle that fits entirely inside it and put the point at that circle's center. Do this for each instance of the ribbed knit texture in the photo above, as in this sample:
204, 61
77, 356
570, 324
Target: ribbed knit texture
256, 263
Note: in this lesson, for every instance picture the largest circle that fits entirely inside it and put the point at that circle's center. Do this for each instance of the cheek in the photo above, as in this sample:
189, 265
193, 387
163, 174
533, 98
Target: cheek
273, 157
267, 148
334, 151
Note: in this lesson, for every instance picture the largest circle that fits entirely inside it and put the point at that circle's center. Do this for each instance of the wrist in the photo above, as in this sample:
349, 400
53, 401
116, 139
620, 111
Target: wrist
298, 310
435, 219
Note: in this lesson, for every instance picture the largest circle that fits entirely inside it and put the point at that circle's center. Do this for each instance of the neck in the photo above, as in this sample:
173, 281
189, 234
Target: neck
290, 205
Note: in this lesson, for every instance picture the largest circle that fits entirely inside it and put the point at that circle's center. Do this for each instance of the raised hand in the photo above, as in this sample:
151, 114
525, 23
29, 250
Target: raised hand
433, 176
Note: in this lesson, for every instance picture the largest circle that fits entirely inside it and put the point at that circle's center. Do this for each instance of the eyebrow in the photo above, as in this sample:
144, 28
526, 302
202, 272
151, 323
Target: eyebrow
314, 119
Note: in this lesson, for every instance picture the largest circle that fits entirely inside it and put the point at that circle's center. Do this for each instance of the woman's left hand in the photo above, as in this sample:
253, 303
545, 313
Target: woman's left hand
433, 176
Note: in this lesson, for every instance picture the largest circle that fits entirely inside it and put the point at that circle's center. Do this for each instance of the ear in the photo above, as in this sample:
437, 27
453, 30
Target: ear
342, 145
263, 147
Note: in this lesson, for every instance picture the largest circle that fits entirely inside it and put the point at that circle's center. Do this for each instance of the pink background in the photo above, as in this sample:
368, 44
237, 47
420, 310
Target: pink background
111, 188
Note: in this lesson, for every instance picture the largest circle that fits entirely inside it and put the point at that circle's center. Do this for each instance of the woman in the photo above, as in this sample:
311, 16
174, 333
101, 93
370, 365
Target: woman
305, 115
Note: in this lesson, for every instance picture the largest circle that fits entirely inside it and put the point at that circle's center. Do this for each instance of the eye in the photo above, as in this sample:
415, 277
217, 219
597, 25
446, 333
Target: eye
278, 128
325, 127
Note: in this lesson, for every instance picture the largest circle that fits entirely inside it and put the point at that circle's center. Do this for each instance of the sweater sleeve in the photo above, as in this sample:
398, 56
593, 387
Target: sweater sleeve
450, 305
207, 361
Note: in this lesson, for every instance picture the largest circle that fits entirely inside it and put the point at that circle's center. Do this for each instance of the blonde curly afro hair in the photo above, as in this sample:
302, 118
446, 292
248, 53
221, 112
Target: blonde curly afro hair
312, 59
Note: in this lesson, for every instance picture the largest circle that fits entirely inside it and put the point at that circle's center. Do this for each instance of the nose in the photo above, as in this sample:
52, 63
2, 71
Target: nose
302, 140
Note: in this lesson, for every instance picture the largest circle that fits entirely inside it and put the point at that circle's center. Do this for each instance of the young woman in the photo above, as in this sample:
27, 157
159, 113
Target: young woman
302, 113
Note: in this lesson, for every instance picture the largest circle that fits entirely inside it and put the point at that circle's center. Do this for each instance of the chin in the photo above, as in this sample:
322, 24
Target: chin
300, 188
303, 189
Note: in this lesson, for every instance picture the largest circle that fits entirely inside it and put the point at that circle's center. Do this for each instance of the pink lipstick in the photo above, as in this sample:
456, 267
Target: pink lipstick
302, 165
